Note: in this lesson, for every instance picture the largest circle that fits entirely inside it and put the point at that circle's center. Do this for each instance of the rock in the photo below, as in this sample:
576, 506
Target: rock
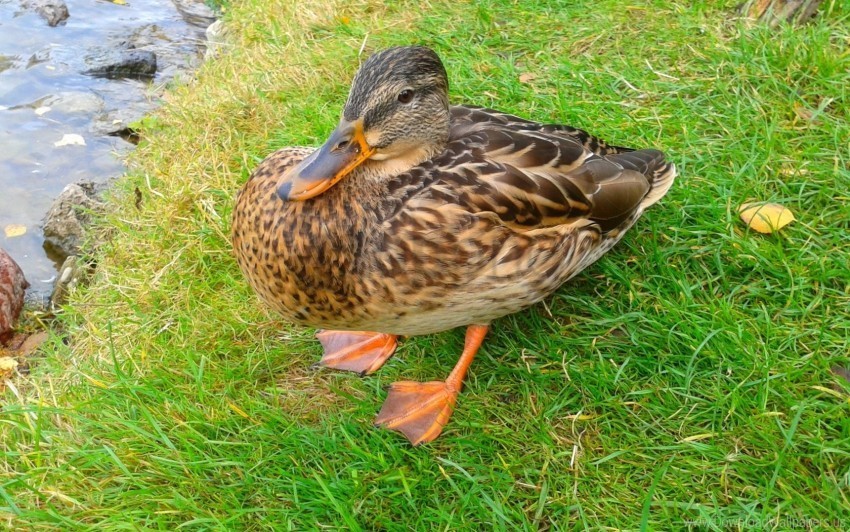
70, 139
70, 273
12, 287
73, 102
114, 63
216, 38
55, 12
66, 221
195, 12
174, 59
117, 122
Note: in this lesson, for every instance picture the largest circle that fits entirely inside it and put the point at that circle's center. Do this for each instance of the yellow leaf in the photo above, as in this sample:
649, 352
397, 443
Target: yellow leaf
119, 2
698, 437
96, 382
765, 217
828, 391
7, 364
238, 410
13, 230
580, 417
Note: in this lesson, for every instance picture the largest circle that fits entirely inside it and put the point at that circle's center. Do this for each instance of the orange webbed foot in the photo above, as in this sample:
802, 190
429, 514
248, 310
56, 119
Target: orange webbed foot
419, 410
358, 351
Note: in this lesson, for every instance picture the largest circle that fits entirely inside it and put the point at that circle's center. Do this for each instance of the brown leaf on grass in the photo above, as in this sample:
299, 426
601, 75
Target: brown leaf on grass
842, 383
806, 114
32, 343
526, 77
765, 217
841, 371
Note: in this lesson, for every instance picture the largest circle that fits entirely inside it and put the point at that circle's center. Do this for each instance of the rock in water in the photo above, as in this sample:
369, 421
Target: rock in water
69, 275
115, 63
55, 12
195, 12
66, 221
216, 38
12, 287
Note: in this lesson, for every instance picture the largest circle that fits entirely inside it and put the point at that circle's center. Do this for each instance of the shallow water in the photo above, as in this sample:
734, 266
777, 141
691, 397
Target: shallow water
44, 95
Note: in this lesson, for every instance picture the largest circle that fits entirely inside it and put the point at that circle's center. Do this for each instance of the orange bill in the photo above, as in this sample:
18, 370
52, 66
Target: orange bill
345, 150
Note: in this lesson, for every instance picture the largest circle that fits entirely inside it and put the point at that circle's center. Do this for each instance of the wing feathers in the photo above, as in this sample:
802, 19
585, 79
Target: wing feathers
533, 176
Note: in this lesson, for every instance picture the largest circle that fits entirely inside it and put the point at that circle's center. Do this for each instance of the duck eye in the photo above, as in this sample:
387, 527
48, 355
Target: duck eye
405, 96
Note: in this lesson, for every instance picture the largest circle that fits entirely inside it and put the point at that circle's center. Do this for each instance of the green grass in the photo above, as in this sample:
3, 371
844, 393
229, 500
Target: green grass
684, 377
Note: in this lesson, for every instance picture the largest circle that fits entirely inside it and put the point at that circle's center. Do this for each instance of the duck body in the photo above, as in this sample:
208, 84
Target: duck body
416, 217
508, 212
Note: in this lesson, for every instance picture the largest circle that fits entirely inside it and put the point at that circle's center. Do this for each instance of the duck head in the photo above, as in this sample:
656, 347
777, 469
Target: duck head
396, 117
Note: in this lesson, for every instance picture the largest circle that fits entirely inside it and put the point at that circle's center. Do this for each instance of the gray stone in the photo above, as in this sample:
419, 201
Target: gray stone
12, 287
195, 12
70, 273
216, 38
116, 122
117, 63
173, 59
74, 102
66, 221
55, 12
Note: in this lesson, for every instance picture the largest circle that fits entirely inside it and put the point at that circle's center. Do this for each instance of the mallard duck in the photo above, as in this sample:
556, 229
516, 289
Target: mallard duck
415, 217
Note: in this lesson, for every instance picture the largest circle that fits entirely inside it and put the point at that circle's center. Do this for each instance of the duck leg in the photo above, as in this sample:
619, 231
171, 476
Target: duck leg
358, 351
420, 410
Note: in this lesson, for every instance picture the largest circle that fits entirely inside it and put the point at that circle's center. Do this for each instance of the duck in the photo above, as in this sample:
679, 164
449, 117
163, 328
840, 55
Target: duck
417, 216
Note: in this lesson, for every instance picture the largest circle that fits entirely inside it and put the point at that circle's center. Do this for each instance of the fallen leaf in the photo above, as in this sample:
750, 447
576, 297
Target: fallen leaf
698, 437
580, 417
824, 389
7, 366
32, 343
238, 410
70, 139
526, 77
765, 217
842, 385
13, 230
119, 2
96, 382
841, 371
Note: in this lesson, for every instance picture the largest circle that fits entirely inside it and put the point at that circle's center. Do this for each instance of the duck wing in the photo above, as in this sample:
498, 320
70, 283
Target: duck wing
466, 116
529, 178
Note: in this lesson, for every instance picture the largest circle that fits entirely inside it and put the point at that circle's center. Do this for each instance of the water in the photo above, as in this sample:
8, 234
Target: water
44, 95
